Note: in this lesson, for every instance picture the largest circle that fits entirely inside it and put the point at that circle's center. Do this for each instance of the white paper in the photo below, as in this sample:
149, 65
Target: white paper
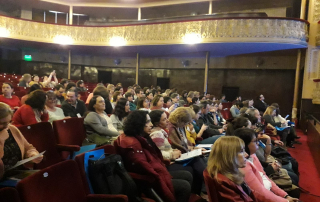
26, 160
204, 145
189, 155
207, 151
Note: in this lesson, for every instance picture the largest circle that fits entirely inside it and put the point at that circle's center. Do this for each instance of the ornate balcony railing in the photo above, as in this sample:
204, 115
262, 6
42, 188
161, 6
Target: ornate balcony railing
276, 30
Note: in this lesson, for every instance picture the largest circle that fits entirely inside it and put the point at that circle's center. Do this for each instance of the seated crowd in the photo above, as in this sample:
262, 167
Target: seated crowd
151, 128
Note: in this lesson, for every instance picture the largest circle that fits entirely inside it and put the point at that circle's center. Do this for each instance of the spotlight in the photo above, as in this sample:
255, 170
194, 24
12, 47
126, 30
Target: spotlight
117, 41
192, 38
4, 32
63, 40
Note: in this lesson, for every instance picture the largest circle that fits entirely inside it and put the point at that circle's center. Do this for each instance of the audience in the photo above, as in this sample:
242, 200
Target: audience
25, 80
129, 96
55, 113
194, 131
35, 81
143, 104
286, 137
14, 147
59, 90
238, 167
204, 118
254, 174
33, 111
178, 120
121, 111
149, 96
139, 94
98, 124
223, 99
103, 92
7, 97
80, 86
32, 88
72, 106
135, 145
235, 109
226, 157
260, 104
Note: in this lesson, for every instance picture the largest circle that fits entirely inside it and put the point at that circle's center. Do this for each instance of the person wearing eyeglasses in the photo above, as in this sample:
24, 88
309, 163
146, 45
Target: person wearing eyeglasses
255, 177
55, 113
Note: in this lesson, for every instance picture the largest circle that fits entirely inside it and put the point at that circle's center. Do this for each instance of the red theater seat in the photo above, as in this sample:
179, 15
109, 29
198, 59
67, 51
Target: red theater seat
9, 194
41, 136
60, 183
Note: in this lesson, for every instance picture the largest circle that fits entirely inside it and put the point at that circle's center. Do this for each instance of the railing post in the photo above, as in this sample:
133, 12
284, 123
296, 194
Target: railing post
139, 13
205, 87
137, 68
210, 7
70, 15
296, 87
69, 65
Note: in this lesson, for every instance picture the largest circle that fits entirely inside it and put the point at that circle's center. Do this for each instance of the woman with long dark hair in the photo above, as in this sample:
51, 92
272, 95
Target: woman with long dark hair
121, 111
141, 155
33, 111
99, 127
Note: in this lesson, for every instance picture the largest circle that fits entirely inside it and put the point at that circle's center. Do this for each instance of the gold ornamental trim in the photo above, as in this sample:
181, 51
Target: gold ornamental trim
209, 31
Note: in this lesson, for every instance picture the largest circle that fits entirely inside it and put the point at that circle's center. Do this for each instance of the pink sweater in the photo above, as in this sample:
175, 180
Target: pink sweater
255, 182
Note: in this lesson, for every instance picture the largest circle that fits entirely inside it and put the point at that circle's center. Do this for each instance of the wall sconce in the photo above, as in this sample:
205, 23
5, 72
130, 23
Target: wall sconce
4, 32
63, 40
192, 38
117, 41
185, 63
117, 62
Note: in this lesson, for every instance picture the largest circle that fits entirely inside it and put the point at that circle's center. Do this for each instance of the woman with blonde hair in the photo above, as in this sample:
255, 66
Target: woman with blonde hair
226, 157
13, 146
178, 120
25, 80
286, 137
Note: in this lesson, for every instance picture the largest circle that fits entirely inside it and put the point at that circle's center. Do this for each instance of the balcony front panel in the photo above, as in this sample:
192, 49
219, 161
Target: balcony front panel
273, 30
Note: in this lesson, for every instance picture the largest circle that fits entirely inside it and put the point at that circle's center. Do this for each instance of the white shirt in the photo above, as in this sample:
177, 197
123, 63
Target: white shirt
266, 183
56, 115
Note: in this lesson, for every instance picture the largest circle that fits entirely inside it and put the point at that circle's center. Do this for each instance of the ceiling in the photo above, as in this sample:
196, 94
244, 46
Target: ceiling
177, 50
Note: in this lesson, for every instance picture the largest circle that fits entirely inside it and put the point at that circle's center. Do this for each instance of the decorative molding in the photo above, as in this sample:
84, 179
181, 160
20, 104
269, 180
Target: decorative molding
316, 10
211, 31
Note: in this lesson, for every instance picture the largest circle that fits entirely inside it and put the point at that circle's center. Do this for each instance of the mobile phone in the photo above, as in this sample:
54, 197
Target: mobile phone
261, 144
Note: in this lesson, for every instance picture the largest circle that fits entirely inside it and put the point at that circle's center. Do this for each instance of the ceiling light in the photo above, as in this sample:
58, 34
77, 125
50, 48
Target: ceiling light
117, 41
63, 40
192, 38
4, 32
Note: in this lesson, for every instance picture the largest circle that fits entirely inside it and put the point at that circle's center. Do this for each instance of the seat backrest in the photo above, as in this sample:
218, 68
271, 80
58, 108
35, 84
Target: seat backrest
69, 131
211, 187
9, 194
226, 114
80, 161
227, 105
40, 135
61, 182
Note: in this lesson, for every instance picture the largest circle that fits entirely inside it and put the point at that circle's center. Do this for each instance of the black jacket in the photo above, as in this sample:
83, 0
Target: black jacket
261, 106
212, 129
69, 110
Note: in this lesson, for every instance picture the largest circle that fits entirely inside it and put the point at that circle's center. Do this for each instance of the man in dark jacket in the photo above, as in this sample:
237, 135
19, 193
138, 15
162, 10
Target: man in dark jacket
207, 120
72, 106
260, 104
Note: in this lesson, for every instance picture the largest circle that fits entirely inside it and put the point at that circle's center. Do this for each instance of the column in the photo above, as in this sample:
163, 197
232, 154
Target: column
139, 13
69, 65
296, 88
303, 9
70, 15
205, 86
210, 7
137, 68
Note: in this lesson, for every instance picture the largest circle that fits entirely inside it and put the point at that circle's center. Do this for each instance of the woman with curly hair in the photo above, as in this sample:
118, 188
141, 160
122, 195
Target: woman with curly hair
141, 155
33, 111
121, 111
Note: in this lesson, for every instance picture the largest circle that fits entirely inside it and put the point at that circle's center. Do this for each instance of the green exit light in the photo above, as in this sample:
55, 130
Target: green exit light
28, 58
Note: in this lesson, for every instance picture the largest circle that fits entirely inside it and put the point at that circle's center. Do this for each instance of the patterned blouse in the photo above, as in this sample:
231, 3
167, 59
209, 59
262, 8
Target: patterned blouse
12, 153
